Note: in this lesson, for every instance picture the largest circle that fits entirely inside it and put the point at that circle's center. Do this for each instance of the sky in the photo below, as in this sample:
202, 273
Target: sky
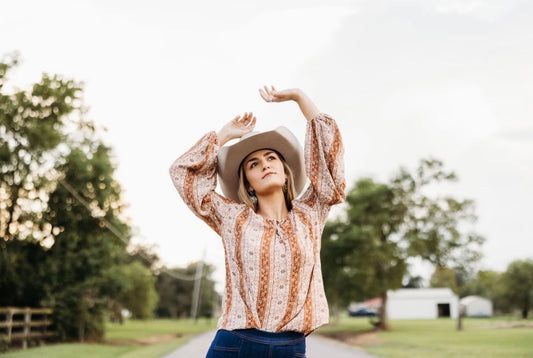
405, 80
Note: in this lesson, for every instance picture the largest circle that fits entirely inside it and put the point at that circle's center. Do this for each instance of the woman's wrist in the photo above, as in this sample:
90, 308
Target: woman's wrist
297, 95
223, 137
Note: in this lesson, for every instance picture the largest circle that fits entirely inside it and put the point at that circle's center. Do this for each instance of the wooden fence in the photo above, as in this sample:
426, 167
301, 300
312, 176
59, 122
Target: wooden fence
24, 324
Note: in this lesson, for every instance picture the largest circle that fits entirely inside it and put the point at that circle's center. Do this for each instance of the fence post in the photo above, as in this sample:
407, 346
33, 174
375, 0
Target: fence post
9, 321
45, 317
27, 327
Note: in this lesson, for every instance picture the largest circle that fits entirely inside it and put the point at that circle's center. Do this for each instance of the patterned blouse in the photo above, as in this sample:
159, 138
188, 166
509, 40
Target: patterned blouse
273, 274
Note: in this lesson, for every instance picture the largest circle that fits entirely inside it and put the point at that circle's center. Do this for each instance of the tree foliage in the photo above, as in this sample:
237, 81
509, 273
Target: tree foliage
176, 294
63, 237
488, 284
517, 283
366, 253
444, 277
137, 289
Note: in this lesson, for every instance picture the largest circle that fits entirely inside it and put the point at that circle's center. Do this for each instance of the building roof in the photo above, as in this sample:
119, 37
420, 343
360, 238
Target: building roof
421, 293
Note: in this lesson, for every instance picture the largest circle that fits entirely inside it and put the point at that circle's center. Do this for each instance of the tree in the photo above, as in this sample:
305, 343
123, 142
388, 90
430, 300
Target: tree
359, 260
518, 285
136, 290
175, 289
488, 284
63, 236
31, 123
84, 248
444, 277
365, 254
143, 254
413, 282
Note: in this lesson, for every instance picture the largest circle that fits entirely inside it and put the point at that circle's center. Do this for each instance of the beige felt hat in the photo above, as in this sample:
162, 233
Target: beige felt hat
280, 139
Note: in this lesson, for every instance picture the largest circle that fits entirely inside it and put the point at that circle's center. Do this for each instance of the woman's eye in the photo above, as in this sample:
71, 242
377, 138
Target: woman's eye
253, 165
271, 157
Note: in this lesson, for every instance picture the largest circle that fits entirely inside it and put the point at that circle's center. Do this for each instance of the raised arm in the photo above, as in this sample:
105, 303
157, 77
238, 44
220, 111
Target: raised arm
308, 108
323, 149
194, 173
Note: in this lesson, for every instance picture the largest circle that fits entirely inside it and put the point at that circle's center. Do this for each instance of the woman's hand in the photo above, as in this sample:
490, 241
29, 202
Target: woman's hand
272, 95
236, 128
308, 108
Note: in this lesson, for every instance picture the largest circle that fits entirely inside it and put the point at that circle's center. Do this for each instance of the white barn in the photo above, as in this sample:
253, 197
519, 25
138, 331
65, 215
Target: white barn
476, 306
422, 303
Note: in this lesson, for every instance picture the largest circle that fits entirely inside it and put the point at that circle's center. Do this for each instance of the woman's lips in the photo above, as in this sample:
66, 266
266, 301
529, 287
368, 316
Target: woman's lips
267, 174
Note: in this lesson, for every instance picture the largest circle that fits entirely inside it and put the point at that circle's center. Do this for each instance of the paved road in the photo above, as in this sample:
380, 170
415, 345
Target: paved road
317, 347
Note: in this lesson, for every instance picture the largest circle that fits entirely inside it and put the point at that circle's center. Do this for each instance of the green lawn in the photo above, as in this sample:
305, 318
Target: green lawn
485, 338
421, 338
126, 341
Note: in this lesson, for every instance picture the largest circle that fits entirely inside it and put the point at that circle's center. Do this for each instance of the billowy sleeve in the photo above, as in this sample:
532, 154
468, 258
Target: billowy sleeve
194, 175
324, 163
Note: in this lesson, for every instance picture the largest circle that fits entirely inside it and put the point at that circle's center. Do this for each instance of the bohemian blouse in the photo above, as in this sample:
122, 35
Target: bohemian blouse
273, 274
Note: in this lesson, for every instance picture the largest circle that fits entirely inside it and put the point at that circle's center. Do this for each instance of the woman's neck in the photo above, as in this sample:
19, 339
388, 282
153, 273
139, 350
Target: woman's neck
272, 206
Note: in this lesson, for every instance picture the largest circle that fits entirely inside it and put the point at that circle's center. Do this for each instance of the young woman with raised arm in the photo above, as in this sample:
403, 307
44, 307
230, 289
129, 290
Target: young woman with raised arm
270, 227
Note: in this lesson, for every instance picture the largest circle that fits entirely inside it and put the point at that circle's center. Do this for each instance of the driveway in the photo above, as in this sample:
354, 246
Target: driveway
317, 347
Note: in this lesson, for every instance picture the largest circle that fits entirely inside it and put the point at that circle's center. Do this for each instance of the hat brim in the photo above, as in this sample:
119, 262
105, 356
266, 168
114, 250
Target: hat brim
280, 139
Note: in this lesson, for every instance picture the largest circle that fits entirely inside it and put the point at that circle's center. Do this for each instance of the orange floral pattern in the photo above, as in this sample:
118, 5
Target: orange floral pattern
273, 275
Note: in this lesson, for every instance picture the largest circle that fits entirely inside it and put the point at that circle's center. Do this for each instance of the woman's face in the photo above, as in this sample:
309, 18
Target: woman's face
264, 171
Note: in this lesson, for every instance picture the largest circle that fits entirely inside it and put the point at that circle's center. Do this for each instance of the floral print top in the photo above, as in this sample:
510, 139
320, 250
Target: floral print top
273, 273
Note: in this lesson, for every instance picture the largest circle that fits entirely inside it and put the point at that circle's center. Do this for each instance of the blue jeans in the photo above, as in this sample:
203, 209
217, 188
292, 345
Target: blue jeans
255, 343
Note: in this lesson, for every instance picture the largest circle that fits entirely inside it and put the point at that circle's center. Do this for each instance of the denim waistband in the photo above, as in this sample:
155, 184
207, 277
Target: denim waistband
257, 335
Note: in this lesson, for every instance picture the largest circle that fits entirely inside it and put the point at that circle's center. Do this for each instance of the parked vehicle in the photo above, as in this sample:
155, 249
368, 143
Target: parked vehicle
362, 312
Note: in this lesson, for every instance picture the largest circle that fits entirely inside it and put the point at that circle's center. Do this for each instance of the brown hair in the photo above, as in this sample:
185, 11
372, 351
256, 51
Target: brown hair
248, 199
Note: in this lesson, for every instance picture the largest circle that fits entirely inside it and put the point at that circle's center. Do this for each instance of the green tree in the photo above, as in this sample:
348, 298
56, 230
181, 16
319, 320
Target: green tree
175, 289
31, 123
62, 229
359, 258
81, 208
488, 284
444, 277
365, 254
518, 285
144, 254
139, 295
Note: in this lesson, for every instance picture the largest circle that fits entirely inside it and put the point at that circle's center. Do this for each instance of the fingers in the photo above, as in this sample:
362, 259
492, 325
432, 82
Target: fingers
247, 119
264, 94
251, 125
268, 94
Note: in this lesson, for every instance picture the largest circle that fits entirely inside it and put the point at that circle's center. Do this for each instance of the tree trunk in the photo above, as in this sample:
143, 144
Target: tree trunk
336, 316
382, 313
460, 319
525, 309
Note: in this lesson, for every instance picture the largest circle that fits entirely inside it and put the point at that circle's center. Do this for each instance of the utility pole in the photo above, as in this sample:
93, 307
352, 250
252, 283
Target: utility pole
196, 289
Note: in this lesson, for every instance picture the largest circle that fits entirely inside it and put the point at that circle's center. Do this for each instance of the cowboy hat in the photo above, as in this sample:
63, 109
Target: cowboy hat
281, 139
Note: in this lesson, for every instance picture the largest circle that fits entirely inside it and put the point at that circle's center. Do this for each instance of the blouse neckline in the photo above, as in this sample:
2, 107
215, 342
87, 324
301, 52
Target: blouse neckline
275, 222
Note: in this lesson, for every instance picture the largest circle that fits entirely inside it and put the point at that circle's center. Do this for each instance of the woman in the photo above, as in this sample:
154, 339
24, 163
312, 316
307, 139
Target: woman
274, 295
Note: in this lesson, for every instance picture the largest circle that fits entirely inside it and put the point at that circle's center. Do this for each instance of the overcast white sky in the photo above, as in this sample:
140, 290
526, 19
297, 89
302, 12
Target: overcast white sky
404, 79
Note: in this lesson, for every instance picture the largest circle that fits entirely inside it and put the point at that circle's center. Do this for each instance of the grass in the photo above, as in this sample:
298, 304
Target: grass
421, 338
485, 338
134, 329
129, 340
